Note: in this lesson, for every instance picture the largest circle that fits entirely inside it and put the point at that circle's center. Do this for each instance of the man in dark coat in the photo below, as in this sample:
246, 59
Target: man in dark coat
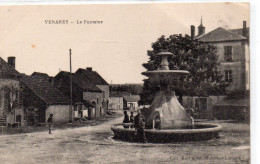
126, 119
132, 119
139, 124
50, 122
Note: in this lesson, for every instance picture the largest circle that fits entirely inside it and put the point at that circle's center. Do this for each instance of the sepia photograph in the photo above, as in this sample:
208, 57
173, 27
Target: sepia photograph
125, 83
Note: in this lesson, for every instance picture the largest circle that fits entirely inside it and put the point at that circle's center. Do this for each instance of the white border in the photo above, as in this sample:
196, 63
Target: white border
254, 51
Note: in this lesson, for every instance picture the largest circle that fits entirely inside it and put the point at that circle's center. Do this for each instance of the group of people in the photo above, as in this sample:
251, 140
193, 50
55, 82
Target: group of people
138, 122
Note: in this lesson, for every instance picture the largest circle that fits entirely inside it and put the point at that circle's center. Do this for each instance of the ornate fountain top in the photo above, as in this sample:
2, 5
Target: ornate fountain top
164, 63
163, 69
165, 53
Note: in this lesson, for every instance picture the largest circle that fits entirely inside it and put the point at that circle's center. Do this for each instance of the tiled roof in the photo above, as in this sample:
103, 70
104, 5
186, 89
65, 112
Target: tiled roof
39, 74
93, 76
240, 31
132, 98
7, 71
219, 35
44, 90
81, 81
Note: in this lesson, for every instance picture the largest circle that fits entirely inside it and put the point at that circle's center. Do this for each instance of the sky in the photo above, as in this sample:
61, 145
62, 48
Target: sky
116, 48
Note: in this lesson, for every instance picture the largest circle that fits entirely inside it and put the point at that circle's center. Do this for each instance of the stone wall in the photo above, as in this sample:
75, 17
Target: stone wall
97, 98
201, 110
239, 64
116, 103
60, 113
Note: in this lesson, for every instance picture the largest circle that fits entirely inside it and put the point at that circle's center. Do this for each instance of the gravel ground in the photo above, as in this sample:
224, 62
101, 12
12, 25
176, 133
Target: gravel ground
94, 144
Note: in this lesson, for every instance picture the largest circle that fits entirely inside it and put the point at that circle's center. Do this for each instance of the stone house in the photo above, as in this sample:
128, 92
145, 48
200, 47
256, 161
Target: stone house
116, 100
98, 80
130, 102
11, 108
233, 52
87, 97
40, 99
232, 48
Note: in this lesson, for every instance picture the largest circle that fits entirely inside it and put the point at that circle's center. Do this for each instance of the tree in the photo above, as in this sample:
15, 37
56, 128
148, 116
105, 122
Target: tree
198, 58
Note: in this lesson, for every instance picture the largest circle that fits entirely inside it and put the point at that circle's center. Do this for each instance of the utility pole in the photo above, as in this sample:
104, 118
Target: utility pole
70, 109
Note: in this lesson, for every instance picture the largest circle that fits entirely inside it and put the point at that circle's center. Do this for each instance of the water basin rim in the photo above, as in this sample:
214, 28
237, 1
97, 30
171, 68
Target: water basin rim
215, 128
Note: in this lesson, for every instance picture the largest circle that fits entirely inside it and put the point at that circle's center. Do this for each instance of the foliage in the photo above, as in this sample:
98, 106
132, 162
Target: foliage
198, 58
134, 89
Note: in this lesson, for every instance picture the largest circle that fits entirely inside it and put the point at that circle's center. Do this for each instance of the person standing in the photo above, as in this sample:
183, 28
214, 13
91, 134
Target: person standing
126, 119
132, 118
157, 121
50, 122
139, 124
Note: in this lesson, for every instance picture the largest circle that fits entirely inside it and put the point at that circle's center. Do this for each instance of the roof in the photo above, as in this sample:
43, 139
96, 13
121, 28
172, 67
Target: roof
219, 35
81, 81
239, 31
118, 94
6, 70
44, 75
44, 90
132, 98
93, 76
234, 102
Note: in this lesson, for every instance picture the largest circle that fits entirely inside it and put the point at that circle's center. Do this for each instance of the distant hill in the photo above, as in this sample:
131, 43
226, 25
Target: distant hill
134, 89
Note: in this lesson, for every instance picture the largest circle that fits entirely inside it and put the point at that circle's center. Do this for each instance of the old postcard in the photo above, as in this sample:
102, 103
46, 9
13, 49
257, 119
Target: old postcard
125, 83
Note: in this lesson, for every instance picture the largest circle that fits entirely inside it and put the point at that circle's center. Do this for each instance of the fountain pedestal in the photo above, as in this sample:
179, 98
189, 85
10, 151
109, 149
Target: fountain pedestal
172, 114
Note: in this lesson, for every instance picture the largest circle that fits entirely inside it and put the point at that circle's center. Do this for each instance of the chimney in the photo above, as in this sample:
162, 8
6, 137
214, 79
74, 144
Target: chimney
11, 61
89, 69
192, 32
244, 29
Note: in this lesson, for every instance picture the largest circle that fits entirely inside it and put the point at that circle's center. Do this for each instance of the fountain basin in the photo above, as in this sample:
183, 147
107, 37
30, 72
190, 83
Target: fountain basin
200, 131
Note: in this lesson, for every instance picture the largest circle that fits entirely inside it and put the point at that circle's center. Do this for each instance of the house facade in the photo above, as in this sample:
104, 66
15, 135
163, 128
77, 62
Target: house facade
116, 100
130, 102
40, 99
232, 48
87, 97
233, 52
11, 105
97, 80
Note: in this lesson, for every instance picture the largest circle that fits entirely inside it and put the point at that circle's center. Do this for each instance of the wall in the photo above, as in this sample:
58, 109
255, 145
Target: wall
105, 89
135, 105
247, 65
239, 51
189, 102
11, 87
60, 113
98, 99
116, 103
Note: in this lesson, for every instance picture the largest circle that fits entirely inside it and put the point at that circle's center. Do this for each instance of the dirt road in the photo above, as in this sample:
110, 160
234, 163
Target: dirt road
94, 145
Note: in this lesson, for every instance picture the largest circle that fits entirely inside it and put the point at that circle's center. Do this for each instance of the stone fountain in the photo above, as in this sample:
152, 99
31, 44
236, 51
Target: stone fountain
175, 124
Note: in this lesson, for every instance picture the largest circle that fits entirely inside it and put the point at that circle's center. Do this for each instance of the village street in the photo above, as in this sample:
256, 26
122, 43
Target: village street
94, 144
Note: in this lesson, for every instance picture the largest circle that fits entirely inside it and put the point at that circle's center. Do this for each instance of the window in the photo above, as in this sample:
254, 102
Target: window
228, 76
228, 53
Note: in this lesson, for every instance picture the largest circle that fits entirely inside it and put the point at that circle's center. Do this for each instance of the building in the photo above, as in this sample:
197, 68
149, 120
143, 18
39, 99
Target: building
11, 108
96, 79
233, 52
232, 48
116, 100
40, 99
130, 102
87, 98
